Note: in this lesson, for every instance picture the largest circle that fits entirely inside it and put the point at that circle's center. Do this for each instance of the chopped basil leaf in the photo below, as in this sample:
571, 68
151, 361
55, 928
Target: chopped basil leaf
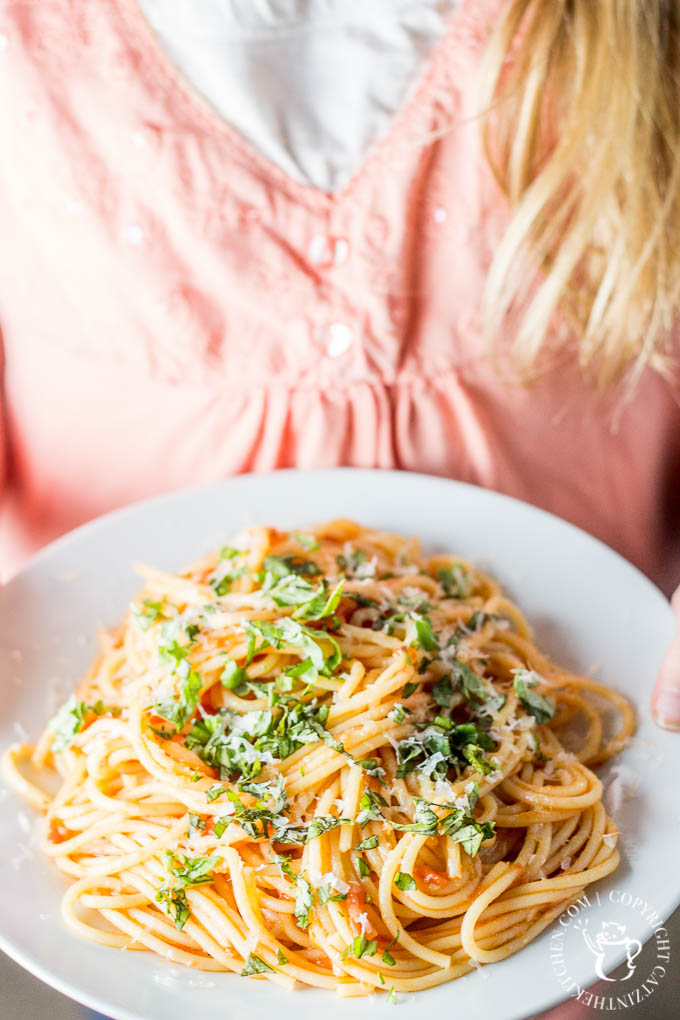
320, 605
472, 836
409, 689
290, 563
189, 872
350, 562
404, 882
255, 965
221, 825
398, 714
417, 602
308, 542
538, 752
387, 956
236, 743
370, 807
442, 692
474, 755
300, 834
371, 766
464, 829
303, 901
493, 705
283, 861
233, 675
362, 867
196, 823
192, 870
214, 792
291, 590
224, 574
361, 947
455, 581
182, 706
434, 752
70, 719
370, 843
281, 960
326, 896
287, 631
178, 908
257, 820
425, 635
424, 819
468, 682
541, 708
147, 615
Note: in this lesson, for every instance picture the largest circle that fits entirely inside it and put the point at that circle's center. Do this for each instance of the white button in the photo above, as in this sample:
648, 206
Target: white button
339, 339
340, 251
327, 251
133, 234
318, 251
439, 214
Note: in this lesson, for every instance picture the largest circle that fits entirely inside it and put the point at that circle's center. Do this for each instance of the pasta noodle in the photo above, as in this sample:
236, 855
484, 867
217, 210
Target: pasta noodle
324, 758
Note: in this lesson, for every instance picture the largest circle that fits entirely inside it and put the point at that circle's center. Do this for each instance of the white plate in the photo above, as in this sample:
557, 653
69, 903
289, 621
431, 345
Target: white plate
589, 608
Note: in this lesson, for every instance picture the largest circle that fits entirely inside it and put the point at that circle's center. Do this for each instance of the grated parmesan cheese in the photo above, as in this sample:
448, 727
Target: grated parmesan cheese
337, 884
367, 569
20, 731
431, 763
448, 655
24, 822
622, 785
443, 790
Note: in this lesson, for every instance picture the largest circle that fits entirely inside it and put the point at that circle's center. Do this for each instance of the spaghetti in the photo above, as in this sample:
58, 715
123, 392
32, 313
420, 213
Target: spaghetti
323, 758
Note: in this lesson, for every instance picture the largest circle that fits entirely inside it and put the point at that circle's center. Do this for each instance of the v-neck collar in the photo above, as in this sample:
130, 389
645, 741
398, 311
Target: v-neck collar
415, 111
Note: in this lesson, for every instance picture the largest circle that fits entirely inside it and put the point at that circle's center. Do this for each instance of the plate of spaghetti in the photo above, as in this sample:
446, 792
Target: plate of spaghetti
326, 736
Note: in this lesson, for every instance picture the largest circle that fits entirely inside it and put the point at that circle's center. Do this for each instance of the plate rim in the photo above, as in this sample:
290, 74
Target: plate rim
35, 562
118, 513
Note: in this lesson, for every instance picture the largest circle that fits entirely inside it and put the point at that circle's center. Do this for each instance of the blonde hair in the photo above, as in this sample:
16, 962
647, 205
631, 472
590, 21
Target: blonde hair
582, 132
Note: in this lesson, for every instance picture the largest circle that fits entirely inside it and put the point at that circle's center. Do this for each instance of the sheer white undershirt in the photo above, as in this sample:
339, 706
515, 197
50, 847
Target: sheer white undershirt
311, 84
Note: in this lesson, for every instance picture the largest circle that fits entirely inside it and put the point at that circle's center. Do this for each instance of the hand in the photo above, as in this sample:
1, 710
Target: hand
666, 693
572, 1009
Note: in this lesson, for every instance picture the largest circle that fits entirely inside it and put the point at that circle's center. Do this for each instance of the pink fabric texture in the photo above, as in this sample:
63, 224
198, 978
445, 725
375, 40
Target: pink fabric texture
174, 309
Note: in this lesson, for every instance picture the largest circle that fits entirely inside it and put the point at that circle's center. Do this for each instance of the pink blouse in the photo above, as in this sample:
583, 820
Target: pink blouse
175, 309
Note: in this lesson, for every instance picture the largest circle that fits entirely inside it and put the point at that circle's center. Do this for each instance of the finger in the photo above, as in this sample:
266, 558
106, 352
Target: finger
666, 693
572, 1009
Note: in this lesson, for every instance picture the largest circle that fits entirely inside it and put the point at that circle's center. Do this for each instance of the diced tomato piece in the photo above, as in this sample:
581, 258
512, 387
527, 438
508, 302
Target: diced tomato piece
356, 906
431, 878
58, 833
